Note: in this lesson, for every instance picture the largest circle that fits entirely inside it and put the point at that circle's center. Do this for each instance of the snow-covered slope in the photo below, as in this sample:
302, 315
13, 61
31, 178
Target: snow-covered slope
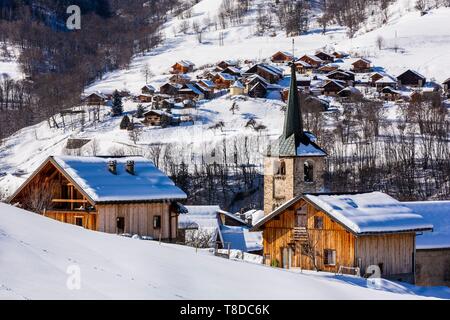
9, 66
36, 254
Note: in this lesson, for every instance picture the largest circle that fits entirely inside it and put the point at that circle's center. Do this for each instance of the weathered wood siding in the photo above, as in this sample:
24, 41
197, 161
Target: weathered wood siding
89, 219
138, 219
278, 234
394, 251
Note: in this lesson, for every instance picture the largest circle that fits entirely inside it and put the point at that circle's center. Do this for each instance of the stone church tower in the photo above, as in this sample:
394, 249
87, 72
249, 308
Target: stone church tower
294, 163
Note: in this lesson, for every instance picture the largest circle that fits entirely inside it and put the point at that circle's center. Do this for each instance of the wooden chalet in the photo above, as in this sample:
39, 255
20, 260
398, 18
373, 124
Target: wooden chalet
386, 81
332, 87
346, 76
303, 67
350, 92
145, 98
236, 72
327, 232
223, 80
270, 73
282, 57
390, 94
361, 65
148, 89
180, 78
182, 66
411, 78
258, 90
157, 118
96, 99
108, 194
313, 61
190, 91
226, 63
170, 89
340, 54
325, 56
327, 68
207, 87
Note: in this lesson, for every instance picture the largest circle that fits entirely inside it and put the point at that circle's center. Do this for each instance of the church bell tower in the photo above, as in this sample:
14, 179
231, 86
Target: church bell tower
294, 163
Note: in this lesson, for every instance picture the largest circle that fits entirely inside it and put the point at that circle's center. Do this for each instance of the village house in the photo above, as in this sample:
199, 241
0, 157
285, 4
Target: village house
313, 61
237, 88
346, 76
303, 67
340, 54
328, 68
190, 91
390, 94
386, 81
108, 194
350, 92
361, 65
375, 77
282, 57
96, 99
226, 63
157, 118
170, 89
233, 71
258, 90
343, 232
411, 78
223, 80
332, 87
145, 98
327, 58
148, 89
270, 73
180, 78
182, 66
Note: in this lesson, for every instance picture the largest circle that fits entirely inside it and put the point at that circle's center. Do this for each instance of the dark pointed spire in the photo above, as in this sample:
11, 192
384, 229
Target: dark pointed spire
293, 123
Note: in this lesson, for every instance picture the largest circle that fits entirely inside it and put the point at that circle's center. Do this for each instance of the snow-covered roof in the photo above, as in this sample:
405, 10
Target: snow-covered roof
362, 59
91, 174
227, 76
186, 63
317, 59
373, 212
159, 112
237, 84
412, 71
241, 238
190, 87
303, 63
208, 83
149, 87
437, 213
386, 79
204, 217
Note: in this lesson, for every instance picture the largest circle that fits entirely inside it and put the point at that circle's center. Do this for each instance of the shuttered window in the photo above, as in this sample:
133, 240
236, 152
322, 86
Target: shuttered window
318, 222
156, 222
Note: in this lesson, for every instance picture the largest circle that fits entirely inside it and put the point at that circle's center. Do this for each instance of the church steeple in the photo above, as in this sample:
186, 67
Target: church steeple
293, 122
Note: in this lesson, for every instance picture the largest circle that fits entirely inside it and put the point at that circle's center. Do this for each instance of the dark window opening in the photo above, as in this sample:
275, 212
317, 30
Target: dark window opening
281, 168
79, 221
329, 257
318, 222
120, 224
300, 217
308, 169
156, 222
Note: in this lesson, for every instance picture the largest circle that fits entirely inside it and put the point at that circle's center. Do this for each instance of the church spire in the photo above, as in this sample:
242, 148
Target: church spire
293, 122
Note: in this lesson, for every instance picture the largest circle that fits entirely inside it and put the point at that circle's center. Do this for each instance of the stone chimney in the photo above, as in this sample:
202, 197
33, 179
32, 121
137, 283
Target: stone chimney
112, 166
130, 167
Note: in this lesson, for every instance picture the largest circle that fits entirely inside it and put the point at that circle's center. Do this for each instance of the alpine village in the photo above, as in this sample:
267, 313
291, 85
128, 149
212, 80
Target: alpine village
334, 191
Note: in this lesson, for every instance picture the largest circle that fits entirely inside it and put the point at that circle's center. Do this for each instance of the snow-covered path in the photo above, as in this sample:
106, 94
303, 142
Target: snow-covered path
35, 253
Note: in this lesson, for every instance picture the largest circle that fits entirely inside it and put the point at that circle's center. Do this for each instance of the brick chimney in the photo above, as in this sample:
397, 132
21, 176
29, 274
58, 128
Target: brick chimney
112, 166
130, 167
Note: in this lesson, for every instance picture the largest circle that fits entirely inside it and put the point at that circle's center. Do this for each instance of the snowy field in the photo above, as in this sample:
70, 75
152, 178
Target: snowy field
36, 253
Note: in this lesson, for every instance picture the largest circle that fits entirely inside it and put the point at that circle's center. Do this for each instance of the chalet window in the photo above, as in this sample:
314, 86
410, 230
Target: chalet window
329, 257
120, 224
79, 221
156, 222
300, 217
318, 222
308, 170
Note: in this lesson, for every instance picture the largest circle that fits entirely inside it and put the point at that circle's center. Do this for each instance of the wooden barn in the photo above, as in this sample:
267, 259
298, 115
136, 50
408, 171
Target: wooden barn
270, 73
327, 232
411, 78
107, 194
281, 57
182, 66
322, 55
347, 76
361, 65
148, 89
226, 63
170, 89
303, 67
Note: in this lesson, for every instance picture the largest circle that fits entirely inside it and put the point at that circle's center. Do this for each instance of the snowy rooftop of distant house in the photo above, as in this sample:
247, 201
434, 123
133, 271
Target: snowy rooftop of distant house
237, 84
227, 76
240, 238
186, 63
437, 213
92, 175
199, 217
374, 212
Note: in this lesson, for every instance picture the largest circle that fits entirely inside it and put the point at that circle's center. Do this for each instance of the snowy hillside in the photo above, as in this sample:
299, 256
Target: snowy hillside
36, 253
9, 66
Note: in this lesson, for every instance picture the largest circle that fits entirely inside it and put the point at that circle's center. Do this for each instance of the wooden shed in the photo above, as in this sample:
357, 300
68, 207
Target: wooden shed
361, 65
327, 232
411, 78
108, 194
